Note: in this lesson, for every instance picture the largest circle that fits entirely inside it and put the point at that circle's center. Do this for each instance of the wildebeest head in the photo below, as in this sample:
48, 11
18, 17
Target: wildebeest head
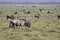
27, 24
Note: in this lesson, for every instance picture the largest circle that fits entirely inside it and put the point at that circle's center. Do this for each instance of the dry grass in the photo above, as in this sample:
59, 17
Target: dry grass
43, 29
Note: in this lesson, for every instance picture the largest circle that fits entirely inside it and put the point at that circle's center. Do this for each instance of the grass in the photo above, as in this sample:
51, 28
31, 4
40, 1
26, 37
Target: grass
45, 28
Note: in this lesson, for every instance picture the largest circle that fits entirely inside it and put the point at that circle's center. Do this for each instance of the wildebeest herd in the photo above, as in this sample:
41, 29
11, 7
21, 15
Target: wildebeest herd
23, 22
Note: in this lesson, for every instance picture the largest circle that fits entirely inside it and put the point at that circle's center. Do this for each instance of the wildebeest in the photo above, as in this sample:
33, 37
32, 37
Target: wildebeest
26, 12
10, 16
40, 11
37, 16
48, 12
16, 12
58, 16
21, 23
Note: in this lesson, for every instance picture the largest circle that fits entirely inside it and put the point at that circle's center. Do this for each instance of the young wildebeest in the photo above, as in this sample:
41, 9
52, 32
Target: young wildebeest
58, 16
10, 16
21, 22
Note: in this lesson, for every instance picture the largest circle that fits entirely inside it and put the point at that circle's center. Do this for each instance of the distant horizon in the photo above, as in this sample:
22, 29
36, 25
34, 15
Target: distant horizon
46, 3
43, 2
36, 1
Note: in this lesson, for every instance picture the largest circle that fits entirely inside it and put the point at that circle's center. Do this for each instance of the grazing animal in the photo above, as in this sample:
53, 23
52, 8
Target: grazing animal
48, 12
21, 22
10, 16
58, 16
40, 9
16, 12
37, 16
26, 12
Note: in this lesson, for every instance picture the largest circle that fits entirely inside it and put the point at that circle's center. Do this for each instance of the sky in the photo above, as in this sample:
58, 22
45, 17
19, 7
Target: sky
17, 1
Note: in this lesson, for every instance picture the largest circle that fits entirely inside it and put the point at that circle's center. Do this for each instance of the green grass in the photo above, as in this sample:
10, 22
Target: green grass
43, 29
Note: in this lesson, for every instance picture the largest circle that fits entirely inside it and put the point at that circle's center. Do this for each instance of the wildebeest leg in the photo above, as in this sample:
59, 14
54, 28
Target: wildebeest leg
21, 26
10, 24
13, 26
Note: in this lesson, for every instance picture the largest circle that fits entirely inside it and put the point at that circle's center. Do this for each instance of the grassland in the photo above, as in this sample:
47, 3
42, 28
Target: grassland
46, 28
